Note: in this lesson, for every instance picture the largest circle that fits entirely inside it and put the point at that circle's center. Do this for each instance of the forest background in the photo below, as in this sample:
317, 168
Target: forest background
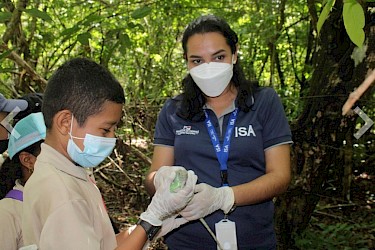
313, 64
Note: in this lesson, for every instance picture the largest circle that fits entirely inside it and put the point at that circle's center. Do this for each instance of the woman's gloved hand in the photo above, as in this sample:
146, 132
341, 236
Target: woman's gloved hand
166, 203
208, 199
161, 175
170, 224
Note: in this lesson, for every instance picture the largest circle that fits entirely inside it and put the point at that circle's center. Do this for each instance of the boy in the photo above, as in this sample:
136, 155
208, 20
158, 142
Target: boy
63, 208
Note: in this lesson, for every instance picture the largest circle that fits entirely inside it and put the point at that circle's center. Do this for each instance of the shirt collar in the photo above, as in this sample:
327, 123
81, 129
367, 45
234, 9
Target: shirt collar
249, 102
18, 185
228, 110
60, 162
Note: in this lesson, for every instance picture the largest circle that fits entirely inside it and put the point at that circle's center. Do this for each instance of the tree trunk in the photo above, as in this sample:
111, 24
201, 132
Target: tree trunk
319, 133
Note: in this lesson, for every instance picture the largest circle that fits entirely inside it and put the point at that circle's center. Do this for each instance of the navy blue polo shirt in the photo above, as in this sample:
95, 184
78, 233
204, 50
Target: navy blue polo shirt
264, 126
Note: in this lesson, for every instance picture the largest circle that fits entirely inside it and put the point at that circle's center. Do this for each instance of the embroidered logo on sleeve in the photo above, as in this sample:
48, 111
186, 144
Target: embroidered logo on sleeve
186, 130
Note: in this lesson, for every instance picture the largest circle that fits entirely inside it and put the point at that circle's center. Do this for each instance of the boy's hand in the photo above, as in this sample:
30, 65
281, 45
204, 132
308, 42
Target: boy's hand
165, 203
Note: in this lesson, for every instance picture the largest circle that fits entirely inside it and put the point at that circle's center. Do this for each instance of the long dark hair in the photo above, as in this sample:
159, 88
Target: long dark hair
193, 99
11, 170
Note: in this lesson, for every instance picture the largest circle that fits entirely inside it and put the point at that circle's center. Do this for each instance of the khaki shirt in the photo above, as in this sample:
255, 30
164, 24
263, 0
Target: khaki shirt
63, 209
10, 222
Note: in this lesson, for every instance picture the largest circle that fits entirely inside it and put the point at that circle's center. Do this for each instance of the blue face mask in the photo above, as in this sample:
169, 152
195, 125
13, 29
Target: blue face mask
96, 149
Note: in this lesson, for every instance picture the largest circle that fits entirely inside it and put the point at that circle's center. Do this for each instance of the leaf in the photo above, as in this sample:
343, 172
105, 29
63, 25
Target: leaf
6, 70
5, 16
84, 38
91, 18
354, 21
70, 31
132, 25
141, 12
39, 14
125, 41
324, 14
6, 54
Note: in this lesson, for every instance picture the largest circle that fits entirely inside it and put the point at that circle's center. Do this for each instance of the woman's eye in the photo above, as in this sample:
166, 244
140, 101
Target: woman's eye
197, 61
220, 58
106, 130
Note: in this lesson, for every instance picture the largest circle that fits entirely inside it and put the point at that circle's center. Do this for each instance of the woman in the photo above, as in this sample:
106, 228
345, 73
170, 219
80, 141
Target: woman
233, 135
23, 148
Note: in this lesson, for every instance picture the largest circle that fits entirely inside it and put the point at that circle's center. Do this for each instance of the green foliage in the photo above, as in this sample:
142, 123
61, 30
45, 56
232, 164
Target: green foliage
324, 15
140, 41
354, 21
337, 236
5, 16
84, 38
141, 12
5, 54
39, 14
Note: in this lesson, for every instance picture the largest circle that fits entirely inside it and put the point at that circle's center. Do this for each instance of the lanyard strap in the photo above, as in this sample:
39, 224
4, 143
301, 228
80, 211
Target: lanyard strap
222, 152
15, 194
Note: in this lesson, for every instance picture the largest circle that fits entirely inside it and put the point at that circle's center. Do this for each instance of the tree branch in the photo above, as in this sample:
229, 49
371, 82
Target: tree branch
356, 94
22, 63
312, 12
14, 21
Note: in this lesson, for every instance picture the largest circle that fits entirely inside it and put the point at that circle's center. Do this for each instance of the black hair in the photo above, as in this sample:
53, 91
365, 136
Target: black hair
34, 105
80, 86
193, 99
11, 170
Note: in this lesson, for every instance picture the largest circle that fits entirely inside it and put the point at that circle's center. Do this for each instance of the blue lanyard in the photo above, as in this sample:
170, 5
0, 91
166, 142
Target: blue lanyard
222, 152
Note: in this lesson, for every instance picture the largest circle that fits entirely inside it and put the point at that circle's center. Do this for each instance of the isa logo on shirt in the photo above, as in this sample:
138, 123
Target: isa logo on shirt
244, 131
186, 130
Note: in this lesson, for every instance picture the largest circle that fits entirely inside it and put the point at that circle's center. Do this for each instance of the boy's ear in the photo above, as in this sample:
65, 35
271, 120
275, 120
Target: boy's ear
62, 121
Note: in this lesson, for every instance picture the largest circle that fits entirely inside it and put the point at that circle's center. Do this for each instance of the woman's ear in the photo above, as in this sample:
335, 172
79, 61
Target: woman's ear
27, 160
235, 55
62, 121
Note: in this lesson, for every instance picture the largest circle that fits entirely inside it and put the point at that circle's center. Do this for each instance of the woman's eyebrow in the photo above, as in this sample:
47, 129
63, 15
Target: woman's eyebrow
214, 54
218, 52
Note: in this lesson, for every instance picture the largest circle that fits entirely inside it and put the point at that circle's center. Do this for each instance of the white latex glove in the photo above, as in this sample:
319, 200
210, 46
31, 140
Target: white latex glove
165, 203
163, 173
170, 224
208, 199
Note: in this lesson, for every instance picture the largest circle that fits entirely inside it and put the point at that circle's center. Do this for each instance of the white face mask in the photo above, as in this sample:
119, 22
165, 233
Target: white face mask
212, 78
